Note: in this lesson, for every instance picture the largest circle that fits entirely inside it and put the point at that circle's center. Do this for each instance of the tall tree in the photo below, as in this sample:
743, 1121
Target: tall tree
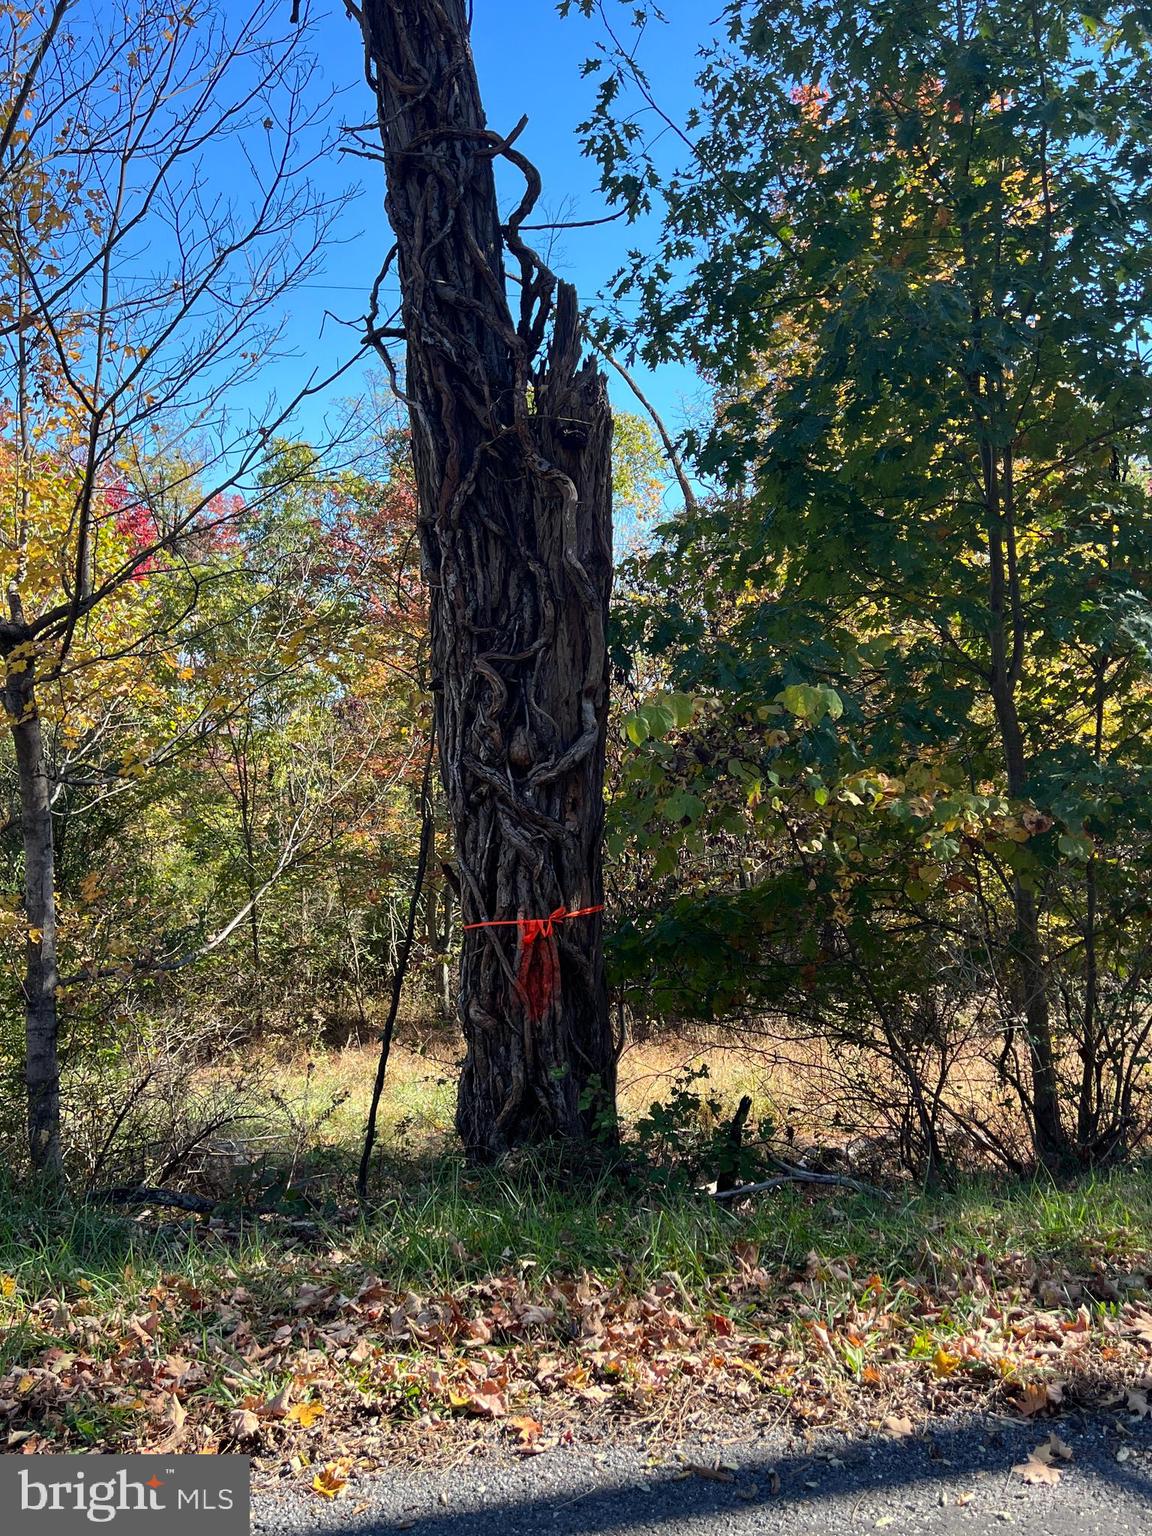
104, 139
511, 434
911, 246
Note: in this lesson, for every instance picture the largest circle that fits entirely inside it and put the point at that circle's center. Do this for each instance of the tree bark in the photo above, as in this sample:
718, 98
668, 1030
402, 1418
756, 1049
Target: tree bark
511, 434
1007, 648
42, 1067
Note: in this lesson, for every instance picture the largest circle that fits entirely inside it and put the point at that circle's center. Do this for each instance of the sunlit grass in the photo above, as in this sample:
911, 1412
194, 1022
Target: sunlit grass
433, 1225
447, 1225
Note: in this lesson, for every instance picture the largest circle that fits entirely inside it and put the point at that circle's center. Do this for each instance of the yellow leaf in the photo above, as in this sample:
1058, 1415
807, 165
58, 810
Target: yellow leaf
332, 1479
305, 1414
7, 1286
944, 1364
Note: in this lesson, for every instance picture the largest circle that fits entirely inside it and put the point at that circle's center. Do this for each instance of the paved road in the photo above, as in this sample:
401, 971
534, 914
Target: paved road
957, 1478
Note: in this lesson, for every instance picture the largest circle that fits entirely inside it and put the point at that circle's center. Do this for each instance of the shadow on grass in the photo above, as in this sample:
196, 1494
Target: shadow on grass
902, 1485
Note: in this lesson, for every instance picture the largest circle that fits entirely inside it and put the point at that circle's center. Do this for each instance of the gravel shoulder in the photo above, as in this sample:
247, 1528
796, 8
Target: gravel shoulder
955, 1476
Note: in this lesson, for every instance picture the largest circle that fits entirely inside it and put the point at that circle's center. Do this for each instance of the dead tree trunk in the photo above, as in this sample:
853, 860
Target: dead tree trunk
511, 433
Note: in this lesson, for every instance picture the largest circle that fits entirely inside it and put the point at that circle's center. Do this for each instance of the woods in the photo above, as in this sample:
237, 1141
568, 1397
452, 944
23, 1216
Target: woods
932, 430
875, 774
882, 675
576, 802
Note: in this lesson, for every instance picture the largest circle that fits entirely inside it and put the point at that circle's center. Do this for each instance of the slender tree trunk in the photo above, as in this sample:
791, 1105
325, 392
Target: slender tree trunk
245, 795
1091, 1066
42, 1067
445, 968
1007, 642
511, 437
438, 930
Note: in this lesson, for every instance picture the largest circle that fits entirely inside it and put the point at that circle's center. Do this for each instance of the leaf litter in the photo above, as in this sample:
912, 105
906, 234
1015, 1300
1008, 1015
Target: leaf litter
321, 1374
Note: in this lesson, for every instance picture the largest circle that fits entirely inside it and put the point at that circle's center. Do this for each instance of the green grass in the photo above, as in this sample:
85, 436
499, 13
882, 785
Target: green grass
447, 1226
830, 1291
889, 1274
503, 1222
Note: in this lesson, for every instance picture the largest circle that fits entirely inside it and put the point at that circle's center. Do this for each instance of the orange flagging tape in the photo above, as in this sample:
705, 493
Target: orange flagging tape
539, 970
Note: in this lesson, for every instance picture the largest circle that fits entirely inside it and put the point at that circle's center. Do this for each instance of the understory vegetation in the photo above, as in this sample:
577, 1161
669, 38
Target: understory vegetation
523, 1306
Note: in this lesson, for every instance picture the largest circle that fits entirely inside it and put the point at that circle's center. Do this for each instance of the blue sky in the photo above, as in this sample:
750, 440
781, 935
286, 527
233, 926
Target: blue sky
529, 61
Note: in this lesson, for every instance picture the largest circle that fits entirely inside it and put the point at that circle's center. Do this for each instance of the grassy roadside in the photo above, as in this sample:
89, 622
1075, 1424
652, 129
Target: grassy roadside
500, 1304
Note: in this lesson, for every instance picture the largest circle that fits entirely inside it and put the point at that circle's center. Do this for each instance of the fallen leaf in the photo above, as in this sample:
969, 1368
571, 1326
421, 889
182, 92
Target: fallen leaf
593, 1394
277, 1407
1040, 1466
898, 1428
537, 1317
715, 1474
487, 1402
747, 1254
243, 1423
525, 1428
1032, 1400
305, 1414
1035, 1470
944, 1364
332, 1479
824, 1338
1138, 1321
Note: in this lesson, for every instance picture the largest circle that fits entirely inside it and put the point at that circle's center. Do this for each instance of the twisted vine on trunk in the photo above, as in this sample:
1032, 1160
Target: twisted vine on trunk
511, 434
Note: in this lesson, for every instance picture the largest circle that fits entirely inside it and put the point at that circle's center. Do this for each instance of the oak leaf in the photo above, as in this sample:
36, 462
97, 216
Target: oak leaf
1040, 1466
243, 1423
